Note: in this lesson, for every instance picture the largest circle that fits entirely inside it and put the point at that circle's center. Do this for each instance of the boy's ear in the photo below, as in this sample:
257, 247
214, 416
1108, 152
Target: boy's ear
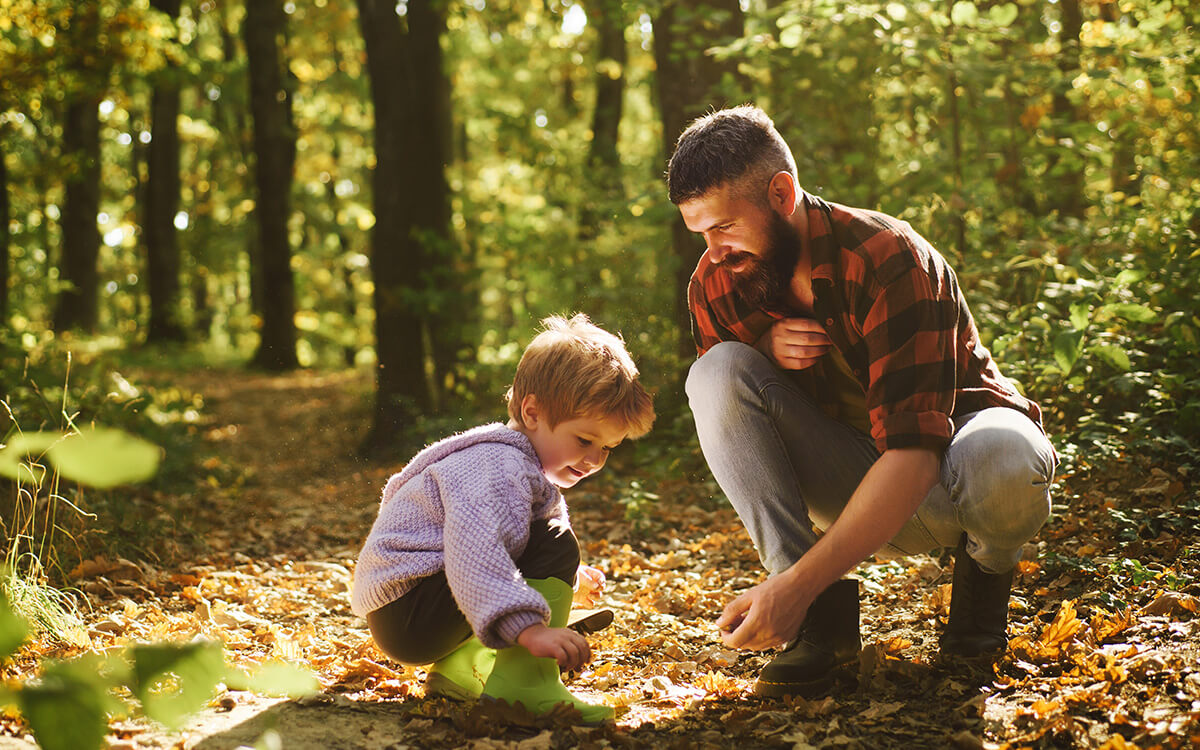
529, 411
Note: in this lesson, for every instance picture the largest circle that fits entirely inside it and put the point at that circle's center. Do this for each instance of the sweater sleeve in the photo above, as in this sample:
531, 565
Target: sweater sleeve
488, 507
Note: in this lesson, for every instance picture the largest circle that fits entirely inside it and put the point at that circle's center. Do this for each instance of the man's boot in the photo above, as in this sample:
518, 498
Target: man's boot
978, 608
827, 642
520, 677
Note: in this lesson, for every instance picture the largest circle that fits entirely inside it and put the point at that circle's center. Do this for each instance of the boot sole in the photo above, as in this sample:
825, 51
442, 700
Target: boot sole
439, 686
489, 700
839, 676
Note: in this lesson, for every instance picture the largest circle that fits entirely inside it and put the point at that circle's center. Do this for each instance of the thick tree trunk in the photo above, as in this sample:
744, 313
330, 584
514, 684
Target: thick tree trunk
1068, 173
604, 160
162, 203
78, 305
399, 261
275, 155
687, 81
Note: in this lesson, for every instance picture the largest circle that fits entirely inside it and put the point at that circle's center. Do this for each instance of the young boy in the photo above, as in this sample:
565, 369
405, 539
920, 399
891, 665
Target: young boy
471, 562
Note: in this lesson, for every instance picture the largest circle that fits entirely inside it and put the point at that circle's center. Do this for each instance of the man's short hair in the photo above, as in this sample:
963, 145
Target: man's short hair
576, 369
736, 145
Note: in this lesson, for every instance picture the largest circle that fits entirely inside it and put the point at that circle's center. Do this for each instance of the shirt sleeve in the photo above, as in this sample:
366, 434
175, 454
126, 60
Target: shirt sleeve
487, 527
704, 322
908, 329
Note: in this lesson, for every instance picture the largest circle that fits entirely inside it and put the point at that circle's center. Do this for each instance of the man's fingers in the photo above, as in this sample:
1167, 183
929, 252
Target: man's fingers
801, 325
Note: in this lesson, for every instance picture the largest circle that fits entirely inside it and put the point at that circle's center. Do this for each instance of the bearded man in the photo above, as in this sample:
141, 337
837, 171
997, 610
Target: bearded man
846, 406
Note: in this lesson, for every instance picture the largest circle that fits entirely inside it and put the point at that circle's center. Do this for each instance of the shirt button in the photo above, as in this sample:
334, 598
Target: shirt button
829, 321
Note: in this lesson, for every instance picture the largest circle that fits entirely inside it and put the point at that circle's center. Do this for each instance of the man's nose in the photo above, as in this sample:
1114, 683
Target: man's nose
716, 251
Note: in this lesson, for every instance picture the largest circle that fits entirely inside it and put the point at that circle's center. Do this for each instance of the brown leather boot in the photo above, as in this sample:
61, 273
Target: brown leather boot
978, 608
827, 642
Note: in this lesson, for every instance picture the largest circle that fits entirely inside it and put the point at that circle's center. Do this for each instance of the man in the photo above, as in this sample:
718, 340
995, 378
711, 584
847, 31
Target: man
842, 385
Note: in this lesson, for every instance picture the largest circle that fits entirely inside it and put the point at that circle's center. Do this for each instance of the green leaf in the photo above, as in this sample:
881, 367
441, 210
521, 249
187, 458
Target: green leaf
1114, 355
791, 37
13, 628
173, 681
12, 456
1067, 350
1128, 311
1003, 15
964, 13
68, 708
104, 457
276, 678
1081, 314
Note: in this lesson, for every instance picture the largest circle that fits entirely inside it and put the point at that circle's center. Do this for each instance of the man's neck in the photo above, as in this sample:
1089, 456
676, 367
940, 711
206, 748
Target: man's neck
799, 294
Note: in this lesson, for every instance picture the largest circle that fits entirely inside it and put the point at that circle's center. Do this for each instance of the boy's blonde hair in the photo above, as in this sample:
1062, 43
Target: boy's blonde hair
575, 369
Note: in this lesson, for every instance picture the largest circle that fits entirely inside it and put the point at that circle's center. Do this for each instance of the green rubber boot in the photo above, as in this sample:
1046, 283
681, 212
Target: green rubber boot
519, 676
461, 674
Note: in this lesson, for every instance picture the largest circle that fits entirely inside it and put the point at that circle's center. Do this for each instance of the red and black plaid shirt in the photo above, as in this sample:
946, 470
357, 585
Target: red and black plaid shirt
892, 307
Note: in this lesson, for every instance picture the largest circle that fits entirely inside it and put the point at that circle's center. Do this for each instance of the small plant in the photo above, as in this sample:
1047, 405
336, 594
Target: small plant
637, 502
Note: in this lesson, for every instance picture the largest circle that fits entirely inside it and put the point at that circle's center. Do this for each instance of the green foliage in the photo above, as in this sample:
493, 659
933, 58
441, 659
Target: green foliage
169, 680
100, 457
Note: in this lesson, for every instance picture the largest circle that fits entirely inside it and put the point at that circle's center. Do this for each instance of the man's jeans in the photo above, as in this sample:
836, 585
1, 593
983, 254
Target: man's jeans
787, 466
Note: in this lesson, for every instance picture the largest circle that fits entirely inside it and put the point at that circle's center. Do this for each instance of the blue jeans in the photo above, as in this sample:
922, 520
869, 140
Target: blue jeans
789, 469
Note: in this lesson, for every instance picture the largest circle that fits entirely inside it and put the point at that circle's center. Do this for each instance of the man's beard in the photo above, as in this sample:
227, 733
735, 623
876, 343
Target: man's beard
766, 278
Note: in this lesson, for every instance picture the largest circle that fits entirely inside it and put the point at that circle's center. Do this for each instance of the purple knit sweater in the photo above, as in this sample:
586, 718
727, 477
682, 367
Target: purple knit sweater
463, 504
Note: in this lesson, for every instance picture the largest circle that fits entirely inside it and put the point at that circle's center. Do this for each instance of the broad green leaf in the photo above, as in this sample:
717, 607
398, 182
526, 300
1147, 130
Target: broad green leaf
173, 681
964, 13
1130, 276
1114, 355
12, 456
1066, 349
275, 678
791, 37
105, 457
1128, 311
13, 628
68, 708
1081, 314
1003, 15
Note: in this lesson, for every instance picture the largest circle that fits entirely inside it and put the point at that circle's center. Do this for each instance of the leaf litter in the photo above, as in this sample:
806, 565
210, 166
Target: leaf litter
1104, 635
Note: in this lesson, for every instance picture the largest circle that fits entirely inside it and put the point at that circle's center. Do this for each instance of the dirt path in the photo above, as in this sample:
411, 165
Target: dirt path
284, 505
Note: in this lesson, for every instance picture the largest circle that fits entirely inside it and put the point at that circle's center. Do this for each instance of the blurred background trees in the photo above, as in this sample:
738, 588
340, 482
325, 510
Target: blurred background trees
411, 186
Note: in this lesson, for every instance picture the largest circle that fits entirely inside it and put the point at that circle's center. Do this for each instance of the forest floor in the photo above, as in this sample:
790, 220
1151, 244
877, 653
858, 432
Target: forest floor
1105, 631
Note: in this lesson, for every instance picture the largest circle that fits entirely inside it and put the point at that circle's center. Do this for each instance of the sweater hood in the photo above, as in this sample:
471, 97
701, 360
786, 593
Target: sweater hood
496, 432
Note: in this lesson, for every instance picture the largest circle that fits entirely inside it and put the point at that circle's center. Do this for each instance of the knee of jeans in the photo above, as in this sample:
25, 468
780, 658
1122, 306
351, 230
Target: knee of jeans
1017, 503
715, 371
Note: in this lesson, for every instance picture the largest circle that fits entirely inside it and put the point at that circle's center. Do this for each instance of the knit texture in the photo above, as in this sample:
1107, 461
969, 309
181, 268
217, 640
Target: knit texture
463, 504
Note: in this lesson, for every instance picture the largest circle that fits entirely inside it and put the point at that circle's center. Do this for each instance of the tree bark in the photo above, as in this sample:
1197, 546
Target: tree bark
78, 305
1068, 173
687, 81
162, 203
5, 251
604, 159
399, 261
275, 155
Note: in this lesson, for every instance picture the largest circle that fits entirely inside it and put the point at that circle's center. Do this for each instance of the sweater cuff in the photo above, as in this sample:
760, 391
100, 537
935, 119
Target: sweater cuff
508, 627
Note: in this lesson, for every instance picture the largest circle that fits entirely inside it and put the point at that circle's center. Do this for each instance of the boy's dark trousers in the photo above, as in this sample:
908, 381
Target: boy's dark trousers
425, 624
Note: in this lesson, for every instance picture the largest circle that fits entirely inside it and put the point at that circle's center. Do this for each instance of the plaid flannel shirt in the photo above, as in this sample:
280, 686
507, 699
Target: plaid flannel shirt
893, 309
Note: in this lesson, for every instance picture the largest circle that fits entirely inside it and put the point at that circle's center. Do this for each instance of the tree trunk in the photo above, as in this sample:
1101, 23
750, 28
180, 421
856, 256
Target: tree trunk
399, 262
78, 305
275, 155
451, 323
162, 203
5, 252
1068, 173
687, 81
604, 160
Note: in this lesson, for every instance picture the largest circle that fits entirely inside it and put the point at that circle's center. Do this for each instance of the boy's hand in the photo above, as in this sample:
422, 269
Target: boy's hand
589, 583
568, 648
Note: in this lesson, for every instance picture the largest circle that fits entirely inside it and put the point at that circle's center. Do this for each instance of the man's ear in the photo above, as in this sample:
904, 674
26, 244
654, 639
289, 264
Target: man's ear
530, 411
782, 192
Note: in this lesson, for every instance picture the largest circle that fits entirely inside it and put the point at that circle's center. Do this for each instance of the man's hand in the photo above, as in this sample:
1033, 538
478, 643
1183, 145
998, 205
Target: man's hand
767, 615
794, 343
568, 648
589, 584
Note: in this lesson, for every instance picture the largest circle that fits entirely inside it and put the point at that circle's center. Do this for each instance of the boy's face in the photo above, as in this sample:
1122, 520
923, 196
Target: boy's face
573, 449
